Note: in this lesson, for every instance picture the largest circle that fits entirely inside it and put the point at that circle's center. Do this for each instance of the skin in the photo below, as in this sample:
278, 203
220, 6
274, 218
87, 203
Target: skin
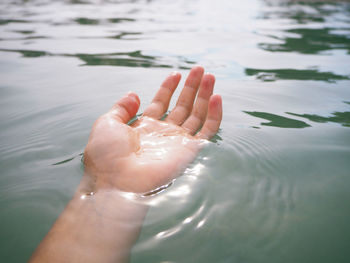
100, 224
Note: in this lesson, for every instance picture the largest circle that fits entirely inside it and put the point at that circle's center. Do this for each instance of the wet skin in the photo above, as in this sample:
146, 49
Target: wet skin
151, 152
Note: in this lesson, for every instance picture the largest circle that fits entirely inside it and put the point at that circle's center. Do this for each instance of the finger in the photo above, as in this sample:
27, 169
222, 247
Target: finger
126, 107
213, 120
184, 104
199, 112
160, 102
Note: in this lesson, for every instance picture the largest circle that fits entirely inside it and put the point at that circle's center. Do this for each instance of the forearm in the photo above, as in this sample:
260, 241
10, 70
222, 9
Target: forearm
96, 226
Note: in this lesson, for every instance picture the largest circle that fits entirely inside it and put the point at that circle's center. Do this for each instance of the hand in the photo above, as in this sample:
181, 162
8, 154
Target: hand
137, 158
150, 153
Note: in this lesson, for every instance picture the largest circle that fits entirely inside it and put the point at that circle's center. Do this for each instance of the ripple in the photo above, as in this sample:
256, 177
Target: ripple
255, 153
35, 141
267, 195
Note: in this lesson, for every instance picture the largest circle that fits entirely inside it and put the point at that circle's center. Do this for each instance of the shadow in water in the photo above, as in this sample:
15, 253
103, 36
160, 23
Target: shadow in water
277, 121
294, 74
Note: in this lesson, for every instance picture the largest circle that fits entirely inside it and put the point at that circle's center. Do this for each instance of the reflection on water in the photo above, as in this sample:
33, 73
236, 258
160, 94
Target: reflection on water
278, 121
7, 21
131, 59
123, 35
311, 41
314, 40
29, 53
270, 194
339, 117
342, 118
86, 21
89, 21
128, 59
294, 74
25, 32
309, 36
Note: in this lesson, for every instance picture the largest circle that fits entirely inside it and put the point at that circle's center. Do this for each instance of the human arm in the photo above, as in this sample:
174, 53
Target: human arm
100, 224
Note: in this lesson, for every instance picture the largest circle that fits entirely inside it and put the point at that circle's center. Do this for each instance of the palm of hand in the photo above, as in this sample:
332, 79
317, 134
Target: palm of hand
150, 153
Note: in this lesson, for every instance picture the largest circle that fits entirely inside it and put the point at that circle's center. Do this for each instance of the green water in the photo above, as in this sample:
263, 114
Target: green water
275, 184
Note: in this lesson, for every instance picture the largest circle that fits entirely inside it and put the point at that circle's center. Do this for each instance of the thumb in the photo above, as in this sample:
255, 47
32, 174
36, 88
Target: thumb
126, 108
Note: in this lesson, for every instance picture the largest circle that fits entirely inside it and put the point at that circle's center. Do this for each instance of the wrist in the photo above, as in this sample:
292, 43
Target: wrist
109, 201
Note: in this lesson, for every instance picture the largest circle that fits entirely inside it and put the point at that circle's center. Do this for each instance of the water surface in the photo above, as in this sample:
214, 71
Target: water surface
274, 185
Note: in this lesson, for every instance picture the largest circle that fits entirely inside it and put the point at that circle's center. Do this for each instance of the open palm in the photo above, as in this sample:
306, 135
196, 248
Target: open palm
151, 152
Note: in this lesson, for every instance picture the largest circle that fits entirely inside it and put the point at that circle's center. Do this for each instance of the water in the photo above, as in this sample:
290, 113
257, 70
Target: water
274, 187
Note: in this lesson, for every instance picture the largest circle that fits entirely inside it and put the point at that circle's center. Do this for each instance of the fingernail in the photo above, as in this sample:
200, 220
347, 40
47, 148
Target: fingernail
134, 96
174, 73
